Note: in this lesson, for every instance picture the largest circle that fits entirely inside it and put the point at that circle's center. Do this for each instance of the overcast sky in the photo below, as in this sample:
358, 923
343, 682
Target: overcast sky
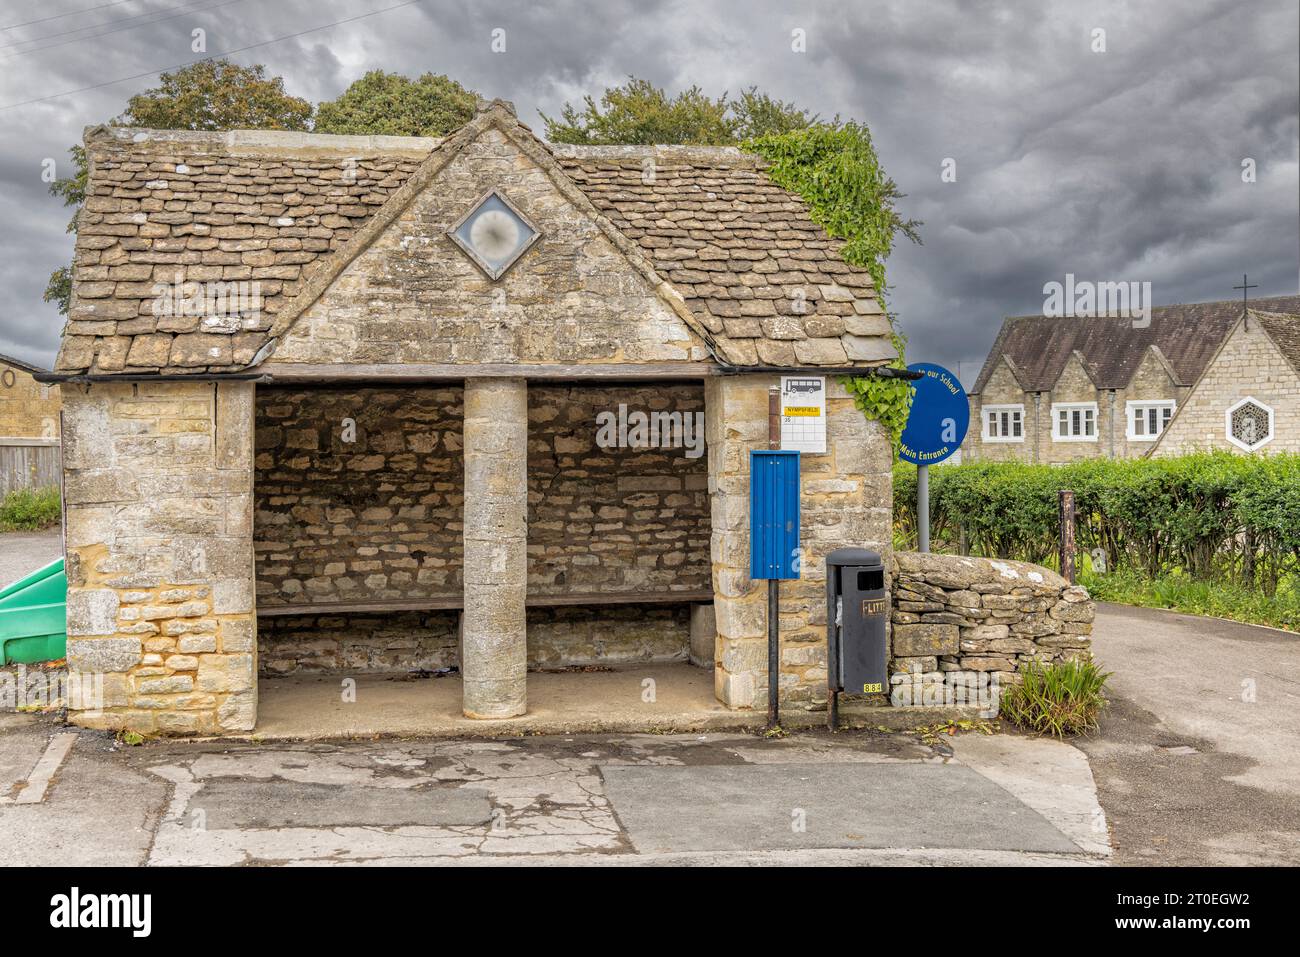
1116, 165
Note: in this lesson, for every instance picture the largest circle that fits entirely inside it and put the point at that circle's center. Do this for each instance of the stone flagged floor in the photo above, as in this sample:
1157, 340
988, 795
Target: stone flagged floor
630, 697
581, 799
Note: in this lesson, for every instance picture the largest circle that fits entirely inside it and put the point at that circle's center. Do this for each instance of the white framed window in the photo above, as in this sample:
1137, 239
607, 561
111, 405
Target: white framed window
1004, 423
1074, 421
1147, 418
1248, 424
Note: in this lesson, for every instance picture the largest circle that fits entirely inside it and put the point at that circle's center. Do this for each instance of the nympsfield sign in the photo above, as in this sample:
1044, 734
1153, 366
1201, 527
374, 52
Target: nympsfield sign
78, 910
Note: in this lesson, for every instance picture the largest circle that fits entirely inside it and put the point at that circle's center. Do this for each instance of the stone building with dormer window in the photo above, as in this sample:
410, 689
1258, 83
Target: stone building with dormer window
1056, 390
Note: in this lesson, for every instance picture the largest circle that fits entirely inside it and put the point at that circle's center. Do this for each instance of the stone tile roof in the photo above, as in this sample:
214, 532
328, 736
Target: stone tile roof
238, 206
1187, 336
745, 254
1284, 330
761, 280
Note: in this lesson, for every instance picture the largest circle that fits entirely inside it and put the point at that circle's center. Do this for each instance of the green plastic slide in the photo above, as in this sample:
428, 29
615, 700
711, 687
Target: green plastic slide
33, 624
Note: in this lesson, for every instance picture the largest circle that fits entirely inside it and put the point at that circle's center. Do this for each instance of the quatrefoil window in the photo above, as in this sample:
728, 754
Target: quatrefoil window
1250, 424
494, 234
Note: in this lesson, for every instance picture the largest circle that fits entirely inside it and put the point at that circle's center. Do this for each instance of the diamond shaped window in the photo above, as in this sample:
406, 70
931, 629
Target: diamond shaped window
1249, 424
494, 234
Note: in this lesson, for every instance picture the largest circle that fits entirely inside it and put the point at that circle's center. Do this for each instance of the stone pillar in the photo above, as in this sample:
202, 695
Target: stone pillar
846, 500
494, 654
735, 422
157, 484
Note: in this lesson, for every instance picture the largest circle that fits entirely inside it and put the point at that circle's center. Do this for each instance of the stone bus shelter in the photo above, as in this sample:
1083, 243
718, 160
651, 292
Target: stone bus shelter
331, 405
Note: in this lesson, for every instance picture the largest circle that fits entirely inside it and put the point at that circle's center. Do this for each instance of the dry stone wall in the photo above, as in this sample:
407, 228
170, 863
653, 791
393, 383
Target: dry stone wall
617, 634
379, 516
359, 643
965, 622
405, 641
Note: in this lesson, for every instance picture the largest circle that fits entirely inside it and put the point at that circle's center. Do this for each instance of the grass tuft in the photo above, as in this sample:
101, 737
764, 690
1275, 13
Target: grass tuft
1062, 699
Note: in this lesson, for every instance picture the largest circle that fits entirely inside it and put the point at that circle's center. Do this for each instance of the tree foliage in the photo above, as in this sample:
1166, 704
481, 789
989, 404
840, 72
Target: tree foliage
638, 113
390, 104
217, 95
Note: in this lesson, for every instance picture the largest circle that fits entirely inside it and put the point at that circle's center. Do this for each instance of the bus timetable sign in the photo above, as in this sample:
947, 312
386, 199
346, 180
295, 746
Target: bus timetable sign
939, 418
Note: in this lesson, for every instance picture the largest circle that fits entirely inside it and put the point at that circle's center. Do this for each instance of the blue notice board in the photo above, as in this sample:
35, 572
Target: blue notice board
773, 513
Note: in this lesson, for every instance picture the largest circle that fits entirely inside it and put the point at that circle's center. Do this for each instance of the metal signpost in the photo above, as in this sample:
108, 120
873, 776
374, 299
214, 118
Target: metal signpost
935, 428
773, 546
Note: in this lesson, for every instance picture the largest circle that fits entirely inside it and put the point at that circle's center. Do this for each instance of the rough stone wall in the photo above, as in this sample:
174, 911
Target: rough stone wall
358, 493
616, 634
613, 519
1248, 365
158, 489
402, 641
960, 622
847, 499
358, 643
28, 410
414, 296
380, 517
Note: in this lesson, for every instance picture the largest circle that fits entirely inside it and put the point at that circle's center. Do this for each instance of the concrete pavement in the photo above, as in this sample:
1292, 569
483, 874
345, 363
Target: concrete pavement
1197, 762
855, 798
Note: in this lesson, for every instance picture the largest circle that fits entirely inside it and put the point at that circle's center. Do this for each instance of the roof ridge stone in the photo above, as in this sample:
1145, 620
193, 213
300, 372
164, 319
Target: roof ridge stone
269, 140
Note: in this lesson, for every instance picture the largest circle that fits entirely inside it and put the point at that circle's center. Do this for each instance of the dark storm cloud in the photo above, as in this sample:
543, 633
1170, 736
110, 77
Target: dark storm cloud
1115, 165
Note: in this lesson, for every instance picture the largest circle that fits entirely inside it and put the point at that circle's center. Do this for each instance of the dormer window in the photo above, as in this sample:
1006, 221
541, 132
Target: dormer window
1004, 423
1147, 419
494, 234
1074, 421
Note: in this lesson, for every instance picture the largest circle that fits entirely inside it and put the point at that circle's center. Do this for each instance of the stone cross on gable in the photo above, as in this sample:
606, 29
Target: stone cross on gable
1245, 287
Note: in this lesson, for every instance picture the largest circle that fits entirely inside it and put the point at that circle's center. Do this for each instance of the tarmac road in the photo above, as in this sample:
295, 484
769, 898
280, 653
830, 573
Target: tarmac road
24, 552
1197, 760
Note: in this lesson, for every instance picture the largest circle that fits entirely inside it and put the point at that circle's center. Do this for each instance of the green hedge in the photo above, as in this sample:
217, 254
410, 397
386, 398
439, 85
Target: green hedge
1207, 515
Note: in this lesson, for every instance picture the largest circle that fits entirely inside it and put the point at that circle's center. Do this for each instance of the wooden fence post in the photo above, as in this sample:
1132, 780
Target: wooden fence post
1066, 512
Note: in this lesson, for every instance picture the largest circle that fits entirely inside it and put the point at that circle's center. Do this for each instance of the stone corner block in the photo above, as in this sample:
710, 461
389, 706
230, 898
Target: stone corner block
92, 611
103, 655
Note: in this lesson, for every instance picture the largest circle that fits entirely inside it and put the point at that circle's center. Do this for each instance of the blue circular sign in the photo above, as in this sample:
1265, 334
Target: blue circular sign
939, 418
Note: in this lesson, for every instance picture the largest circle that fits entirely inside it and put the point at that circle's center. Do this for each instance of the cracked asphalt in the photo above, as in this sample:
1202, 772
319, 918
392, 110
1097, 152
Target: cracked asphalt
600, 799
